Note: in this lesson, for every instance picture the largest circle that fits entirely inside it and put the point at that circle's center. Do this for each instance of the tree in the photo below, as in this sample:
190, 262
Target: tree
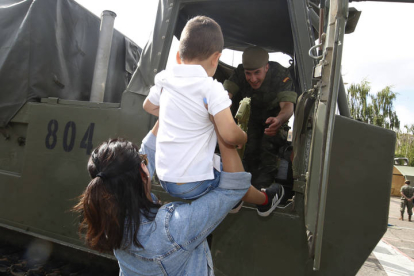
379, 111
405, 144
382, 109
357, 100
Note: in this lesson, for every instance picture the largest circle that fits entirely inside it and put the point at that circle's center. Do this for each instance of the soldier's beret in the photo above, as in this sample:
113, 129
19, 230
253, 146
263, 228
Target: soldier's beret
407, 182
254, 58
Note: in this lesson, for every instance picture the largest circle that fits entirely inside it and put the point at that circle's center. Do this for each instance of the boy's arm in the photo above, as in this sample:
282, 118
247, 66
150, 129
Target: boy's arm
230, 132
151, 108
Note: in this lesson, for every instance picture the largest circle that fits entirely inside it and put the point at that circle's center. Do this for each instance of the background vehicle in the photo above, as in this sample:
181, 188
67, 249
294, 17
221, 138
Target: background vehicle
338, 163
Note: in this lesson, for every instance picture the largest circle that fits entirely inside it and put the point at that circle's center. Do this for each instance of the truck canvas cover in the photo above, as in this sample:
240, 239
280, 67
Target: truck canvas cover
48, 49
243, 23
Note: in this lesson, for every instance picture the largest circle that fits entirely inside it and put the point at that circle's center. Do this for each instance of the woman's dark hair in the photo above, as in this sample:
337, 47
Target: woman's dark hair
115, 198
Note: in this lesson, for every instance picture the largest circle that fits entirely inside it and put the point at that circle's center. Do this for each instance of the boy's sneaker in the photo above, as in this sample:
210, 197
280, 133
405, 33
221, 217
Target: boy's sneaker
275, 194
236, 208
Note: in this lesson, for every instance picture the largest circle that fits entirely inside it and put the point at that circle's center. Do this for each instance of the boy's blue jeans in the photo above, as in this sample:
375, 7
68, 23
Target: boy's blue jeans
191, 190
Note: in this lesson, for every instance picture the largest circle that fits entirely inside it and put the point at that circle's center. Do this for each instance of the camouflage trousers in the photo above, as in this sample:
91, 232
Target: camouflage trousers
262, 157
408, 204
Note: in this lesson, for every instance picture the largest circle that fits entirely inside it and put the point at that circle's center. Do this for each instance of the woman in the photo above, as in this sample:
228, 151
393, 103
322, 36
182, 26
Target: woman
120, 213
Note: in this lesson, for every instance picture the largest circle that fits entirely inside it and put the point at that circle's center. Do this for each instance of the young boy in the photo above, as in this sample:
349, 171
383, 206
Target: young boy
185, 160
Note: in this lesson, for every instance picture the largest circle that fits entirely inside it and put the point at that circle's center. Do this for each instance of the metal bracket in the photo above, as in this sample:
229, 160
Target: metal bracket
299, 186
52, 100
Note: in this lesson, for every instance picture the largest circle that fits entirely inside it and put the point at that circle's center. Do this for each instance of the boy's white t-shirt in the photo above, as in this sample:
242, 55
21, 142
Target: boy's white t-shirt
186, 138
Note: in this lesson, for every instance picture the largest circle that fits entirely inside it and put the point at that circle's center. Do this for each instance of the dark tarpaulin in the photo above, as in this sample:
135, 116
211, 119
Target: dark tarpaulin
48, 49
244, 23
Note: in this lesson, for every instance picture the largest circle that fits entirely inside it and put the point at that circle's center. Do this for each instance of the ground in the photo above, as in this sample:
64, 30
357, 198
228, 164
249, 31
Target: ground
394, 254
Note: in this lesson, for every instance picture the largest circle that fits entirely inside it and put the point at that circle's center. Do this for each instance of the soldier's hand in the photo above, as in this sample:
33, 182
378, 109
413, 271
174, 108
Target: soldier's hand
274, 125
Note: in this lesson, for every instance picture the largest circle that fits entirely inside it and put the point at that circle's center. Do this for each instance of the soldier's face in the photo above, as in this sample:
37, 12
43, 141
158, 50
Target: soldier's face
256, 77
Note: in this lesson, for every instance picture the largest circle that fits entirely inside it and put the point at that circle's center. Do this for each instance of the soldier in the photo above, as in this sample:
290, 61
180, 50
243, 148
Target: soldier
407, 200
271, 90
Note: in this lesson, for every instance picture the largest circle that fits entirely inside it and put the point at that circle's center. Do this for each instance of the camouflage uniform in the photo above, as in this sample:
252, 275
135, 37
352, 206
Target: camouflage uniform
408, 191
261, 156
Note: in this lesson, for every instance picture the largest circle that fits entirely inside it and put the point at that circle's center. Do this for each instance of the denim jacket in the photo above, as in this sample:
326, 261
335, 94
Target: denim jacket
175, 240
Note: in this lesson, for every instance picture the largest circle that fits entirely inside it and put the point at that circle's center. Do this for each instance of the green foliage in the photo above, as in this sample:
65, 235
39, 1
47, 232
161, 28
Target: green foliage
382, 109
405, 144
357, 101
379, 111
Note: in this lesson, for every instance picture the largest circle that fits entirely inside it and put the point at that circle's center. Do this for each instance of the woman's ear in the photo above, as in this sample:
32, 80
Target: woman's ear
144, 176
178, 58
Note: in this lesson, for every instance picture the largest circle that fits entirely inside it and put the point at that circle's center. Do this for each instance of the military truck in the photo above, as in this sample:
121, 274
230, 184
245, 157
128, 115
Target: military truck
328, 226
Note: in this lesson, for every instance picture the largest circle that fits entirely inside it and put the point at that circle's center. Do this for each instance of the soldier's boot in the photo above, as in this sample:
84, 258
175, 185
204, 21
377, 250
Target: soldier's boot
402, 216
409, 218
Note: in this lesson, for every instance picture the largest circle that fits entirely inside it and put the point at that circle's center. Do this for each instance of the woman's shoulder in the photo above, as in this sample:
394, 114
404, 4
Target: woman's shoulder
170, 207
171, 212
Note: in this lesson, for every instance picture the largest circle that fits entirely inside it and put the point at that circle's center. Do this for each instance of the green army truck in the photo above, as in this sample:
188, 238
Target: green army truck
54, 112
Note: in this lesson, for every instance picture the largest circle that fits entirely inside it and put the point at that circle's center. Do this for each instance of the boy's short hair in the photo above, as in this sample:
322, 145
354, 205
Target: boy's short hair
200, 38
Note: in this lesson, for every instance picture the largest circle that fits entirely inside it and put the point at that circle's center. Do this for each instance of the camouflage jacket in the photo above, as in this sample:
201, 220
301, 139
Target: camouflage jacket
407, 190
277, 87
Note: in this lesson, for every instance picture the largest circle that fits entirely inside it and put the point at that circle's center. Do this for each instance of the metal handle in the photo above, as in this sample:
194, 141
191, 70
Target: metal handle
312, 48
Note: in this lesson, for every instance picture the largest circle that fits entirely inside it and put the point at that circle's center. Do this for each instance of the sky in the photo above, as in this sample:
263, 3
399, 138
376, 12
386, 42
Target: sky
381, 50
